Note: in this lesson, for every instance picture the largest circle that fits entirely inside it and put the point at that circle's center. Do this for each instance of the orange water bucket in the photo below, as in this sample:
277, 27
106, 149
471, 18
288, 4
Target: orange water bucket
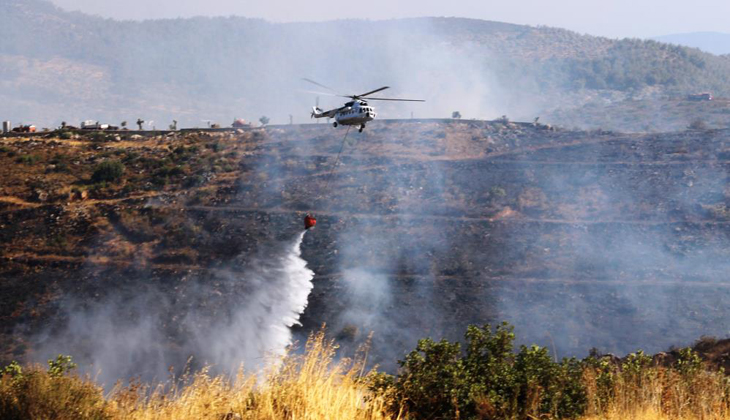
309, 222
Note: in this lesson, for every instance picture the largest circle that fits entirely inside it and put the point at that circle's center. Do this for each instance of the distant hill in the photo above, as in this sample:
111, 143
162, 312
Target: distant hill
57, 65
712, 42
649, 115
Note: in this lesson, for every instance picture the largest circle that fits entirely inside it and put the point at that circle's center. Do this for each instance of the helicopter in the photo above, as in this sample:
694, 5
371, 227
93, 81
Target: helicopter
355, 112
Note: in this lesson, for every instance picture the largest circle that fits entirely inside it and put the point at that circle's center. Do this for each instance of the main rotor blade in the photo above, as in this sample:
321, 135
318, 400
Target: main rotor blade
320, 85
318, 93
394, 99
374, 91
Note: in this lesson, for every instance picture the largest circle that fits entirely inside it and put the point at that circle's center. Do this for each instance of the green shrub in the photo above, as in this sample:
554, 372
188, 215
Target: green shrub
497, 192
434, 380
34, 393
108, 171
27, 159
99, 137
60, 366
170, 170
194, 181
689, 362
131, 155
487, 380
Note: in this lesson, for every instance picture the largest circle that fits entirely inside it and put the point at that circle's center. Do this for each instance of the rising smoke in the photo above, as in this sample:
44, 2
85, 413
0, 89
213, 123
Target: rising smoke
612, 244
234, 318
644, 271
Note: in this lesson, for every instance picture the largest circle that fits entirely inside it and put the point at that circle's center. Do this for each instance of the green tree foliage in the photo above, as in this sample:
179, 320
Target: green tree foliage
487, 380
633, 64
689, 362
434, 379
60, 365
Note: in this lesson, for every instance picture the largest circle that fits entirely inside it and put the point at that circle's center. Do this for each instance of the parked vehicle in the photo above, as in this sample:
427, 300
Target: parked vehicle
24, 129
240, 123
93, 125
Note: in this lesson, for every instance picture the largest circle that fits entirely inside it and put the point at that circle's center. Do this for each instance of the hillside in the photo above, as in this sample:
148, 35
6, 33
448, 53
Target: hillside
645, 115
60, 66
581, 239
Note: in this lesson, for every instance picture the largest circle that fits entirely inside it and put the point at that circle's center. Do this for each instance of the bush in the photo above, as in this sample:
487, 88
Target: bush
34, 393
194, 181
99, 137
108, 171
698, 124
60, 366
434, 381
216, 147
497, 192
488, 380
27, 159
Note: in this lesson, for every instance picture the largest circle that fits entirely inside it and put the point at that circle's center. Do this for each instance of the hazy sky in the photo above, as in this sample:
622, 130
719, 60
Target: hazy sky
613, 18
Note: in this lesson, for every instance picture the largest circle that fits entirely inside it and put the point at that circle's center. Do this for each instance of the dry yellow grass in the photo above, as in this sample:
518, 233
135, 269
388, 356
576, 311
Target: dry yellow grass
658, 393
634, 415
312, 386
648, 414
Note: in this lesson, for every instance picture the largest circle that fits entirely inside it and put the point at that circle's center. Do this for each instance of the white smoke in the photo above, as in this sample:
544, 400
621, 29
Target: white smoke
260, 328
229, 320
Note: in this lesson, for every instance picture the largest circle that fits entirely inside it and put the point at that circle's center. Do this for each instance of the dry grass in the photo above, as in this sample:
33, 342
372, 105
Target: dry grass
647, 414
312, 386
659, 393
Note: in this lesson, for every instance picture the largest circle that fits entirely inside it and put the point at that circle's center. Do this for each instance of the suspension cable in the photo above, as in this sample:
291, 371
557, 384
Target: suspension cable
337, 162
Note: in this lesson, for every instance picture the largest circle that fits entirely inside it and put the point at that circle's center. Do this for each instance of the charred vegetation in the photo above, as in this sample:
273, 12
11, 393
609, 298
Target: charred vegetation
581, 239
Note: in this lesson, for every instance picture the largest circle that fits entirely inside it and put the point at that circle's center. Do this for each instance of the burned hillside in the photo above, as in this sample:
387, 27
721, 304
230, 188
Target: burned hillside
580, 239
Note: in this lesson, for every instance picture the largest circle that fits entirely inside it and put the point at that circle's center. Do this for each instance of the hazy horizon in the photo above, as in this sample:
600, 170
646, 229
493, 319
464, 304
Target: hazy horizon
619, 19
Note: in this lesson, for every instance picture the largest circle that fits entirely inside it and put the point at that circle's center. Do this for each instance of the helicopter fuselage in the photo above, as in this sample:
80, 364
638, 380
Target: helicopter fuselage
355, 113
352, 113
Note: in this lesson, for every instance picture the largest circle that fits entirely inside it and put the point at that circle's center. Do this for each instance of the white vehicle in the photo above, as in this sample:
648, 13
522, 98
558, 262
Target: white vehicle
93, 125
355, 112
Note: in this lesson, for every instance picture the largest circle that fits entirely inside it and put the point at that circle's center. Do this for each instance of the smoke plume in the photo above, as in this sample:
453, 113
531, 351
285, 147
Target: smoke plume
231, 319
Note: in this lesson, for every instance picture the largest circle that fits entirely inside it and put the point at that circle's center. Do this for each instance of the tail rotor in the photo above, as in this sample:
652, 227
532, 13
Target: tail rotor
316, 107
